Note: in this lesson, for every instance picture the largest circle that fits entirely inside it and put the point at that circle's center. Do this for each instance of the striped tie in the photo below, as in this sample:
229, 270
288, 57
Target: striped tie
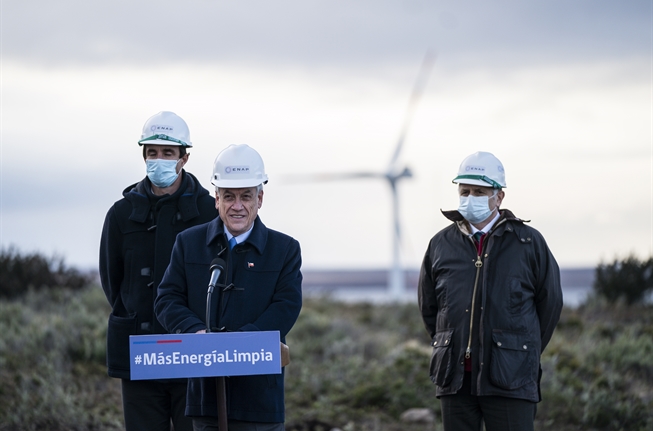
478, 235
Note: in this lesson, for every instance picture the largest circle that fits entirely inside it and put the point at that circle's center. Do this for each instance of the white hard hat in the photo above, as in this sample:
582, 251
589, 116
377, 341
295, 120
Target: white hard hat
481, 169
166, 128
238, 166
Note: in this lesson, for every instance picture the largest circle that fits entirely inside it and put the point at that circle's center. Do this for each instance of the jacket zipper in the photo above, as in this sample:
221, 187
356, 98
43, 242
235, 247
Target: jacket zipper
478, 264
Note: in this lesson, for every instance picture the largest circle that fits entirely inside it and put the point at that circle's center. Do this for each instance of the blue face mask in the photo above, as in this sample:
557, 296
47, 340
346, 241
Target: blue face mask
162, 172
475, 209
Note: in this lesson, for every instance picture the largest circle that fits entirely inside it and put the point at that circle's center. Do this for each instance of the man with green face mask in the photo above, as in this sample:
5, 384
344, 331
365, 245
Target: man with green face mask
490, 297
137, 238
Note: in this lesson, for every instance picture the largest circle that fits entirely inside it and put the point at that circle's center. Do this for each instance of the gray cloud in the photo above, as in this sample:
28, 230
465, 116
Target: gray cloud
57, 199
321, 33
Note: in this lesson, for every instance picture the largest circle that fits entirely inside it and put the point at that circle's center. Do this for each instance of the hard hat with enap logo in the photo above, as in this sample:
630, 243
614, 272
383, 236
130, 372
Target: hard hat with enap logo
238, 166
481, 169
165, 128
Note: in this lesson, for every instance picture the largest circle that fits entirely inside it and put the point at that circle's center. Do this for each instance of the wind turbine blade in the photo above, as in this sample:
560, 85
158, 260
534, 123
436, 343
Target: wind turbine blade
324, 177
418, 89
353, 175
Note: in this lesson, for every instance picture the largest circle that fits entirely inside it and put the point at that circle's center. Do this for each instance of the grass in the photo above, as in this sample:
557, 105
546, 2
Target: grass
354, 367
52, 373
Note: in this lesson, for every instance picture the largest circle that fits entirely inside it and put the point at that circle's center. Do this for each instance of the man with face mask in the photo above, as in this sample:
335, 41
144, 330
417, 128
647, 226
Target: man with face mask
137, 238
490, 297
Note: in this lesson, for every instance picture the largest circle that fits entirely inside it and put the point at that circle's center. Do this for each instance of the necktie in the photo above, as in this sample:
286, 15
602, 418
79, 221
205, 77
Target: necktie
232, 243
478, 235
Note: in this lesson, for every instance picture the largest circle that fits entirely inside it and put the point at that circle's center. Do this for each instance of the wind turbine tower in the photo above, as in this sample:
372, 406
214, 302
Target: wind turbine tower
396, 282
393, 173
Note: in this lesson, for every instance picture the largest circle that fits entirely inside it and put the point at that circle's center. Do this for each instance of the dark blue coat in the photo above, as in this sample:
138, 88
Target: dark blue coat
265, 296
137, 238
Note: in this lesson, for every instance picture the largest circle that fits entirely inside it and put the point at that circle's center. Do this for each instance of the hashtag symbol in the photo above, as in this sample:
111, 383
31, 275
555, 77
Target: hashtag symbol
137, 359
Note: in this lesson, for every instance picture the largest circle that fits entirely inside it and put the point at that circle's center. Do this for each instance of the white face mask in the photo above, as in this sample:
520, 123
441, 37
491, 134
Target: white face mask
162, 172
475, 209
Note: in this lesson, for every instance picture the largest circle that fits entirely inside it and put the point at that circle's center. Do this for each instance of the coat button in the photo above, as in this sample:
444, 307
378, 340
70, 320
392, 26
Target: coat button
435, 344
446, 342
525, 348
499, 343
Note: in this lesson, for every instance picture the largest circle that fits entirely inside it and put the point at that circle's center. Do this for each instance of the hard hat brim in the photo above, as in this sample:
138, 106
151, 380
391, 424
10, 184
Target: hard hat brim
464, 179
164, 140
238, 184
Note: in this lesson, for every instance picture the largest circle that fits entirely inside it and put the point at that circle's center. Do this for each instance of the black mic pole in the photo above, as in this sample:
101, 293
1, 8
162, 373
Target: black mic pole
217, 266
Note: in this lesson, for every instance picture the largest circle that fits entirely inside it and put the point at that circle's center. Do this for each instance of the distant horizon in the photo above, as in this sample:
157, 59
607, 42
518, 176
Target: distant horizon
371, 285
342, 268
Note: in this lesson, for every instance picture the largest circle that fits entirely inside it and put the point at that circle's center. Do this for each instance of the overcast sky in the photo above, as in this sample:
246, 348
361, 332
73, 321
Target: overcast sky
560, 91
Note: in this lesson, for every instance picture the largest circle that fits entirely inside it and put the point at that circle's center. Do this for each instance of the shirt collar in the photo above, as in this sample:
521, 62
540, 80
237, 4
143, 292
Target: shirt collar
488, 227
257, 239
240, 238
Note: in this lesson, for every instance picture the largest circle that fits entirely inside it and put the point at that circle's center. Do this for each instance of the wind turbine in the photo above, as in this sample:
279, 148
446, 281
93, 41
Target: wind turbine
393, 174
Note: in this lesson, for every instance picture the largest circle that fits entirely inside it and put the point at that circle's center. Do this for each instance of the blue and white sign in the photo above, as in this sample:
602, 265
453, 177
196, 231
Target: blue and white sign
204, 355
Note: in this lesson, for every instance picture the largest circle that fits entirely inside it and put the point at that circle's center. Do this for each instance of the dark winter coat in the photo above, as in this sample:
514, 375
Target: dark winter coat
263, 294
137, 238
518, 304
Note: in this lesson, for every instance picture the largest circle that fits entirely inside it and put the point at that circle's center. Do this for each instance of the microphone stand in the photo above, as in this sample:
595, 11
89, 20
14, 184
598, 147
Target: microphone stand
221, 389
220, 386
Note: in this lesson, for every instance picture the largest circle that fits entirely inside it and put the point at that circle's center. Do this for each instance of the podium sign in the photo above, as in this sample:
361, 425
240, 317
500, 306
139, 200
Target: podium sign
204, 355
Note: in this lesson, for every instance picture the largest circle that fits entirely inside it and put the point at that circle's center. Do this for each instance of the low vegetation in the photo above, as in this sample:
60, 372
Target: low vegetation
20, 272
627, 280
52, 374
354, 366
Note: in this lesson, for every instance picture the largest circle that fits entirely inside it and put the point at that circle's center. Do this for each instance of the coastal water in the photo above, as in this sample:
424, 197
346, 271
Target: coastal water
572, 296
370, 286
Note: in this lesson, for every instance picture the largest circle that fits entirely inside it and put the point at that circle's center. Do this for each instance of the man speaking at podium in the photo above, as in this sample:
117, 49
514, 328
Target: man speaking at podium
258, 290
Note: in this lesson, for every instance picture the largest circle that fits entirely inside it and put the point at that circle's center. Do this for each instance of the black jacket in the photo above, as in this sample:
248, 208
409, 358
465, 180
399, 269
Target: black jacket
137, 238
517, 306
263, 293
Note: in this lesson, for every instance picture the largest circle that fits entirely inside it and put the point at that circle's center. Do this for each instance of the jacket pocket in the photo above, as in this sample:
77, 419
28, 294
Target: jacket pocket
510, 363
118, 332
441, 368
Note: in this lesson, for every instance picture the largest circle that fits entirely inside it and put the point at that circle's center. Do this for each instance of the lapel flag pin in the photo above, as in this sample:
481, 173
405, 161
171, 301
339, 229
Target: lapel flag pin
250, 265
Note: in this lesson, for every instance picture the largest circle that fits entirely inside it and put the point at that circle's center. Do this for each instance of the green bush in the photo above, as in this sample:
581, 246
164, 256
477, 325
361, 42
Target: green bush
52, 373
598, 375
629, 279
630, 351
356, 367
20, 272
357, 364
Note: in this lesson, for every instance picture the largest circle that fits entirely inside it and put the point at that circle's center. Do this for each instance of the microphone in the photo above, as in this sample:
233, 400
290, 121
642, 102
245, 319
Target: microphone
217, 266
